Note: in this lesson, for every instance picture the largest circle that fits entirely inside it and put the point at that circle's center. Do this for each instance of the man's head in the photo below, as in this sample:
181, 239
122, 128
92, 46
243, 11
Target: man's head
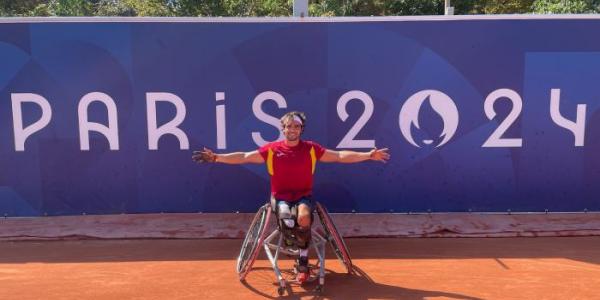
292, 125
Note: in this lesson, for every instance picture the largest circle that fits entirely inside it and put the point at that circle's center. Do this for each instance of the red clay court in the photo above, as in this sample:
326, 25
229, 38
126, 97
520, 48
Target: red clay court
387, 268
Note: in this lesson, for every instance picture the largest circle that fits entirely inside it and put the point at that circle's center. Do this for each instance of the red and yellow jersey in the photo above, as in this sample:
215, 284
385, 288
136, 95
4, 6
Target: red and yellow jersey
291, 168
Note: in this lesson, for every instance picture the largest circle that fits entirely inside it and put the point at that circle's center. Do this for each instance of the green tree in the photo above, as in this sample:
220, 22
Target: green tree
413, 7
19, 8
115, 8
193, 8
197, 8
251, 8
65, 8
326, 8
275, 8
247, 8
565, 7
159, 8
375, 7
469, 7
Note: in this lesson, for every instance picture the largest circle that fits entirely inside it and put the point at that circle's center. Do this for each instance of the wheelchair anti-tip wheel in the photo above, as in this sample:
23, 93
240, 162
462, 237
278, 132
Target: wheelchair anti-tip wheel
335, 239
253, 241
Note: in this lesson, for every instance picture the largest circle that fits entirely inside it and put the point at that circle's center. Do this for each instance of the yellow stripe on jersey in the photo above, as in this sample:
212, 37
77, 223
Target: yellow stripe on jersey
313, 158
270, 162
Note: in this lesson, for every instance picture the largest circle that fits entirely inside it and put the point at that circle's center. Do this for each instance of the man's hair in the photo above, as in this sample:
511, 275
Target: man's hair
291, 115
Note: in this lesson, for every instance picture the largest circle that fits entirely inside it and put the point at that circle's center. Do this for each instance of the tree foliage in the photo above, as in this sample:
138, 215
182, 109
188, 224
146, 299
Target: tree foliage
246, 8
146, 8
565, 7
375, 7
493, 7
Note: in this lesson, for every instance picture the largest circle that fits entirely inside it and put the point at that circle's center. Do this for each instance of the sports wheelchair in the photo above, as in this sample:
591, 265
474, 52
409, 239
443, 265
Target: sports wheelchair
281, 240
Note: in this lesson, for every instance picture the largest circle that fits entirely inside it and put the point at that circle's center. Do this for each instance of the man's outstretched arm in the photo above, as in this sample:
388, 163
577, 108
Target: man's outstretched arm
234, 158
347, 156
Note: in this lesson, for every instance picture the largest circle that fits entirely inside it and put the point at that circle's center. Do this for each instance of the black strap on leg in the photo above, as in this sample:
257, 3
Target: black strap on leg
304, 236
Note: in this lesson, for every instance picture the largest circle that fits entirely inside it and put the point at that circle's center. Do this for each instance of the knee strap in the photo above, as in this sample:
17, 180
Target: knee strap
304, 236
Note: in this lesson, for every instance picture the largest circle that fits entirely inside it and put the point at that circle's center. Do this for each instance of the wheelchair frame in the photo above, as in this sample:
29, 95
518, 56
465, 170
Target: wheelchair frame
273, 245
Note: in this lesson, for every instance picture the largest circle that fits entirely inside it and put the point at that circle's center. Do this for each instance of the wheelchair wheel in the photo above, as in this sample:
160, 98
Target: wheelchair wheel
253, 241
334, 238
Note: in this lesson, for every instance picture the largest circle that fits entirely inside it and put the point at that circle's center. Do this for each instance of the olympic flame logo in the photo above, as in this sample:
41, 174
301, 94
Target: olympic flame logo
441, 104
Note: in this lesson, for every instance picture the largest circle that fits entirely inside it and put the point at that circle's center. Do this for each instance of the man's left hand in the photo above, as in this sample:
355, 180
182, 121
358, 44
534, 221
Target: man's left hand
381, 155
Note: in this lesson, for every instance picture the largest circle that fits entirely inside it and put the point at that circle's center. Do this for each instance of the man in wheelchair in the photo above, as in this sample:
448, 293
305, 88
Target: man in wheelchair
291, 164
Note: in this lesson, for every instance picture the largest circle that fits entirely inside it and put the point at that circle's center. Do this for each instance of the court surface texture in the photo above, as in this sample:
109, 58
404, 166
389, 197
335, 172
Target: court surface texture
386, 268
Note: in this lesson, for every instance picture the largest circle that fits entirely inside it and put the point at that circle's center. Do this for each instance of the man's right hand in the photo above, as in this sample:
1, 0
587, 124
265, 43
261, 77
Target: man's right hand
205, 155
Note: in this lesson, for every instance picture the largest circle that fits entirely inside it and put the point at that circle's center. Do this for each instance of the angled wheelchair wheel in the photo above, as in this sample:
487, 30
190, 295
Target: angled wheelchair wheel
253, 241
334, 238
